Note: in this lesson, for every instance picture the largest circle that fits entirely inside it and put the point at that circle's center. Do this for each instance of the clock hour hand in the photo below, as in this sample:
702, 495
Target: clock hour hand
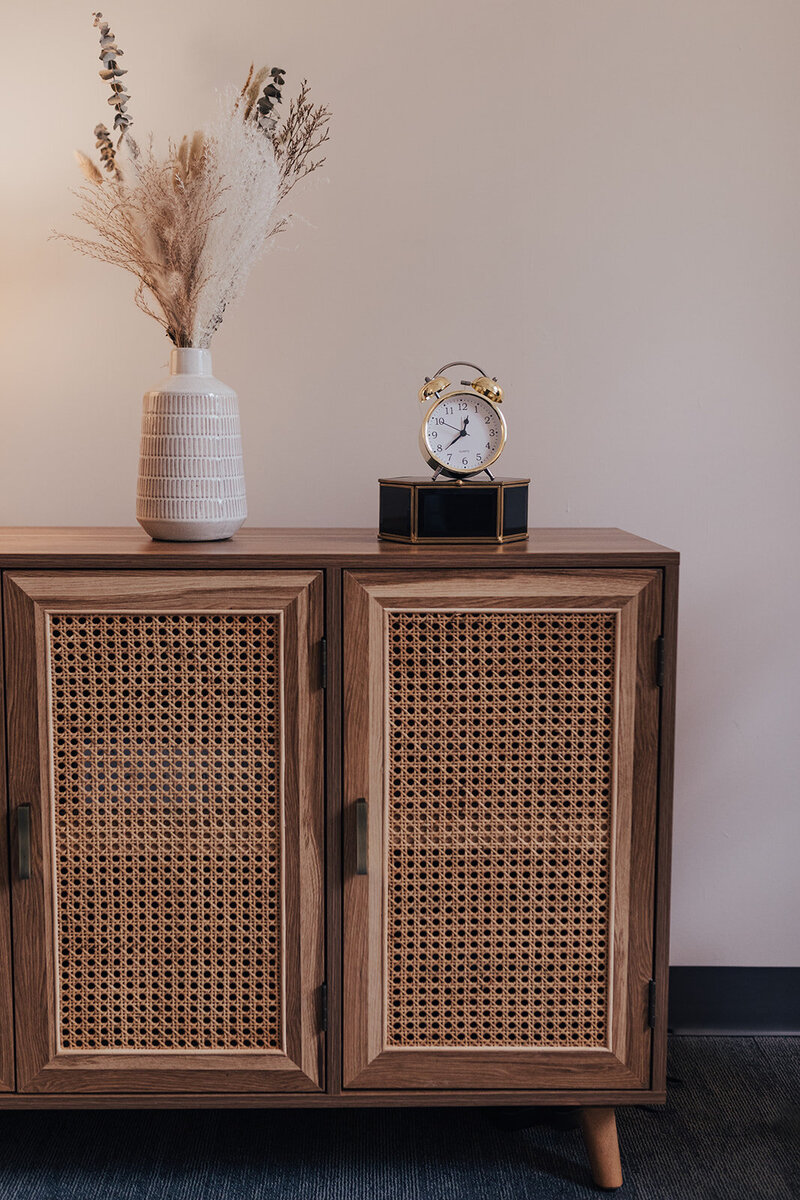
463, 433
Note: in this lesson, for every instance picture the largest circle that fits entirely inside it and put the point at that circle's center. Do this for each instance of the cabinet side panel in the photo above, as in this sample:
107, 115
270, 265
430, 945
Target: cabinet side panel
664, 834
6, 1004
637, 923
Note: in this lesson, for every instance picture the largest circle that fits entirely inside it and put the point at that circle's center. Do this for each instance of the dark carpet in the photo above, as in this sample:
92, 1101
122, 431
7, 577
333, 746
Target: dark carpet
730, 1131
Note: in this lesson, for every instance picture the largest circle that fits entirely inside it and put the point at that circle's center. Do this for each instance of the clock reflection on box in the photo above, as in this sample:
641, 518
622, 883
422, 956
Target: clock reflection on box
462, 436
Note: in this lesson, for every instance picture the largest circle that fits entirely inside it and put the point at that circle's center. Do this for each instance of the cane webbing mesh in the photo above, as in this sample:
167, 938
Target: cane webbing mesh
500, 749
166, 778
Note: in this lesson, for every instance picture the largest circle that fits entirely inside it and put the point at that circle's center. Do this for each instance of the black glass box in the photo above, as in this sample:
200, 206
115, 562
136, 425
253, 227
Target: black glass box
453, 510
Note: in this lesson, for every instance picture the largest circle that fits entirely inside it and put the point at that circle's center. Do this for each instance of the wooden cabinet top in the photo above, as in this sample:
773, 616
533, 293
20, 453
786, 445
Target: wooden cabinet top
107, 547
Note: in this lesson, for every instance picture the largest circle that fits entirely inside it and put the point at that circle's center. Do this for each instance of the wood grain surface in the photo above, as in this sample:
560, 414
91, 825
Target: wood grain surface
256, 548
369, 1061
599, 1129
74, 565
42, 1065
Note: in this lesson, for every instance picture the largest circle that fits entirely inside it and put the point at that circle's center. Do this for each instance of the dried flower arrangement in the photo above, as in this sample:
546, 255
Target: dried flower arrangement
190, 225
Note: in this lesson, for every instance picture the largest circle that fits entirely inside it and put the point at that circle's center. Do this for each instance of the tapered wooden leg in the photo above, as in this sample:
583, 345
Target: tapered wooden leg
599, 1128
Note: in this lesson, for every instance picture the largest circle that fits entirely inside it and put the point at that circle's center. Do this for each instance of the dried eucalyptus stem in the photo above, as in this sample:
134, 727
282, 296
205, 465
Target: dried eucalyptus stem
111, 74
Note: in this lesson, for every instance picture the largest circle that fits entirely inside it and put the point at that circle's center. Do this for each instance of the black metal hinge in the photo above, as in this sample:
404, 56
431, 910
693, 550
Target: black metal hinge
651, 1004
323, 1007
323, 662
660, 659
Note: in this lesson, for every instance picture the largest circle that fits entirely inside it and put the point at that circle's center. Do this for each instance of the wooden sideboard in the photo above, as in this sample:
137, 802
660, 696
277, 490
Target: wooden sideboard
306, 819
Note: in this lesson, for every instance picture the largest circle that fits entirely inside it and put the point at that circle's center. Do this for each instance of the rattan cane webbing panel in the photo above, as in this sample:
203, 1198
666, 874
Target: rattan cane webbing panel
165, 749
500, 760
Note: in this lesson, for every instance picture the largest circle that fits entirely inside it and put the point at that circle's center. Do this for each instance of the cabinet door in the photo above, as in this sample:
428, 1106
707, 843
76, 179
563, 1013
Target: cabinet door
500, 772
165, 754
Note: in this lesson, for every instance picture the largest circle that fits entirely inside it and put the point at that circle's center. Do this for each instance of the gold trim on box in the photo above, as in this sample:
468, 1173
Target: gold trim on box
462, 541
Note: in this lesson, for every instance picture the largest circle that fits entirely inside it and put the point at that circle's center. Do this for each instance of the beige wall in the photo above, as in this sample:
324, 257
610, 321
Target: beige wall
600, 202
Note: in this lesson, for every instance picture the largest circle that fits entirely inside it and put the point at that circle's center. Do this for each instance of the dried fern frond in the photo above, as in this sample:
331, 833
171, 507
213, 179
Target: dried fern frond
297, 140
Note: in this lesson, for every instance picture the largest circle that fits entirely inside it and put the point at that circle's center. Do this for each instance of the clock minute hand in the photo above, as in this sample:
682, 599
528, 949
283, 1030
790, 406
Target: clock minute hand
463, 433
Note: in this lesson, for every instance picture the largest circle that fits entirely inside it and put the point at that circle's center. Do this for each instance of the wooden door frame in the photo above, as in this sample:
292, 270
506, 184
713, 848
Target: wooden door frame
298, 596
368, 1063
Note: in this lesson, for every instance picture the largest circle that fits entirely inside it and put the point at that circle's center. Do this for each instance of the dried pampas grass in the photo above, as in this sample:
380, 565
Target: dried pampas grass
157, 227
189, 226
247, 169
88, 168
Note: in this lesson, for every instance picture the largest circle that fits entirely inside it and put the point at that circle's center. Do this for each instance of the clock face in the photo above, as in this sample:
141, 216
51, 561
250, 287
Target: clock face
464, 433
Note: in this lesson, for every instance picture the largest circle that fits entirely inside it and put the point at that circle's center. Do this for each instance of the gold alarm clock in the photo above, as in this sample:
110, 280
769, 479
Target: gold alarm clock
464, 431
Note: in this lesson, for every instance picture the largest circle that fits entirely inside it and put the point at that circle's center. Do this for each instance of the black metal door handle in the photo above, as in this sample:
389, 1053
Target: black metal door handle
24, 841
361, 837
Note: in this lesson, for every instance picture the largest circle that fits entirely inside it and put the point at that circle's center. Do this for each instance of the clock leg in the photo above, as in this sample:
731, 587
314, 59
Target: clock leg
489, 473
599, 1128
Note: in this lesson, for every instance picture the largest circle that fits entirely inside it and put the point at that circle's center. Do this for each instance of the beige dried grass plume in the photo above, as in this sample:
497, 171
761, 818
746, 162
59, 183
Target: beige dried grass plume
190, 225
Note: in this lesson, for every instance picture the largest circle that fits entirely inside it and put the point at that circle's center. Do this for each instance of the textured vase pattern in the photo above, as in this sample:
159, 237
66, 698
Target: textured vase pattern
191, 477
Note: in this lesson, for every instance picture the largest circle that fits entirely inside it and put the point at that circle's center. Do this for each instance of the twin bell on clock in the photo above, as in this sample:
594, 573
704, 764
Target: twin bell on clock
462, 436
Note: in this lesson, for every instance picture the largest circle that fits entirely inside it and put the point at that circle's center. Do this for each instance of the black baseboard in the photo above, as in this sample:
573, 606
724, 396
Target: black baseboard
743, 1000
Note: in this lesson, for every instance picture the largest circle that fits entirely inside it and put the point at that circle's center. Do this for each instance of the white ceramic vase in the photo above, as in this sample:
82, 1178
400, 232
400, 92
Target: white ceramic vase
191, 476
